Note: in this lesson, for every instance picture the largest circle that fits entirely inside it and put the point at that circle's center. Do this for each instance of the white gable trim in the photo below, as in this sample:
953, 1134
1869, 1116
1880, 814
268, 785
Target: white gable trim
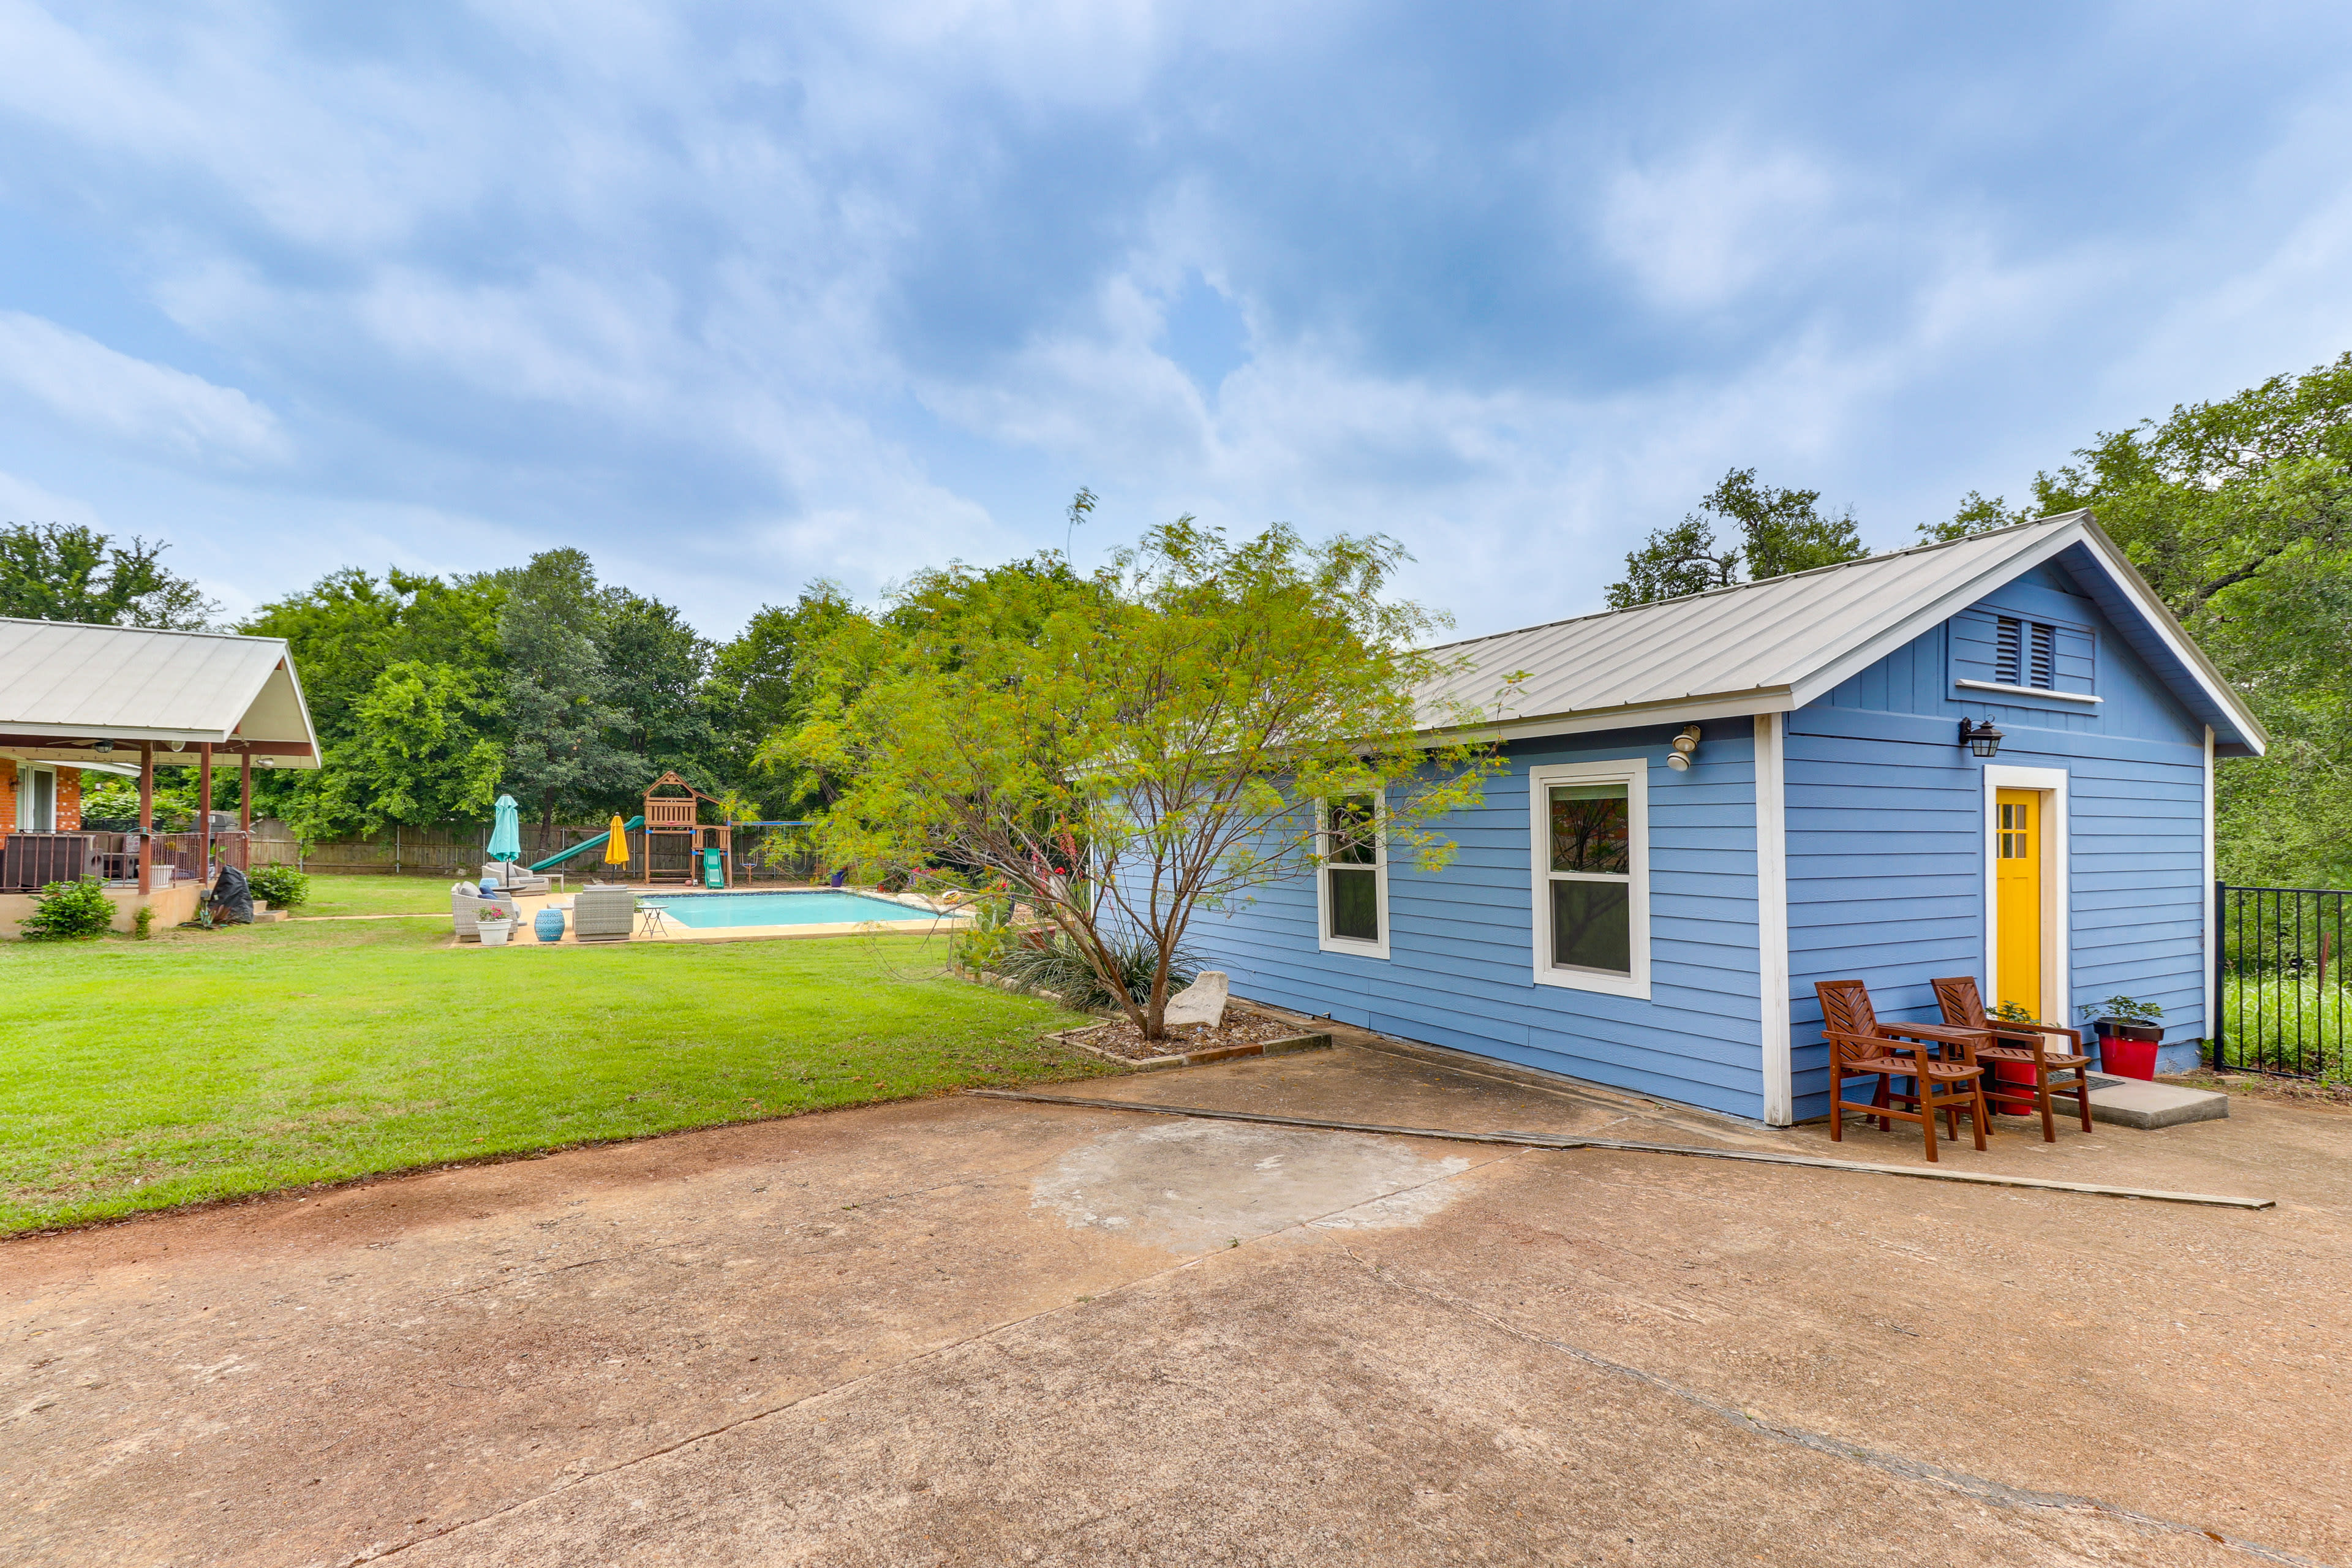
1806, 634
2175, 639
1829, 677
2119, 570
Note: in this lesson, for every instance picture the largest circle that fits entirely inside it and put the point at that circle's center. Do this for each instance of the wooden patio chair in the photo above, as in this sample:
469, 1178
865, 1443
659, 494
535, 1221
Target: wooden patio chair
1861, 1046
2022, 1045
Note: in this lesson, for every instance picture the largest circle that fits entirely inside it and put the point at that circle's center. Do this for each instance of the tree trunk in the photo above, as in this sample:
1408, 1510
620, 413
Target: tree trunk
1155, 1013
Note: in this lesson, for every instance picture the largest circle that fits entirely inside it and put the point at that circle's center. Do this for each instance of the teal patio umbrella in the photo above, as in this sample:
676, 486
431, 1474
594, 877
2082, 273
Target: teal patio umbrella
506, 831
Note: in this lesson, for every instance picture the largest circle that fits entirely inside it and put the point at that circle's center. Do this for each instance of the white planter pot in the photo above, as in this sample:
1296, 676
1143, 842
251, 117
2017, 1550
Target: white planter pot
494, 932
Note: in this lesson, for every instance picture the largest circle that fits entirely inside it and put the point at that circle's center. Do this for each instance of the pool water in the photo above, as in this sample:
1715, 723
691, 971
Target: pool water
705, 912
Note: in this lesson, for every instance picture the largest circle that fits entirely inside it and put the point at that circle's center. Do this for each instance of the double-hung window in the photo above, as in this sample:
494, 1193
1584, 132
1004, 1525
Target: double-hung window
1351, 887
1592, 876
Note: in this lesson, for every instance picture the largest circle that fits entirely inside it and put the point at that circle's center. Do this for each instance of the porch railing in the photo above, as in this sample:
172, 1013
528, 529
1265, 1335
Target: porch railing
2279, 976
31, 861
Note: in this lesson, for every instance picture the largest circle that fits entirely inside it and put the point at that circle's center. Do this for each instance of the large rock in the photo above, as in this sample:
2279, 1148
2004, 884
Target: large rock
1202, 1001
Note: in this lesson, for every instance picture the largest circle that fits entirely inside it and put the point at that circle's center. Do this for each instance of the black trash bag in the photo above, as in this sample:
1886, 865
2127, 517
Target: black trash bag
232, 898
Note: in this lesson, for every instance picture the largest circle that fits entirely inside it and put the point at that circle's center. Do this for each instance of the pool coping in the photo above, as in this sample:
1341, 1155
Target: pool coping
938, 918
530, 904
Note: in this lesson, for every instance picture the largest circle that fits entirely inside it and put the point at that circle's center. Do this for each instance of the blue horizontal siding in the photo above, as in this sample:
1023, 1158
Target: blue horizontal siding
1885, 869
1886, 830
1461, 942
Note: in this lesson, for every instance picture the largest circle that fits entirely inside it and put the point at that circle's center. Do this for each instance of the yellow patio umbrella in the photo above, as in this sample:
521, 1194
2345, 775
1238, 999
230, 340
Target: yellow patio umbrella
617, 847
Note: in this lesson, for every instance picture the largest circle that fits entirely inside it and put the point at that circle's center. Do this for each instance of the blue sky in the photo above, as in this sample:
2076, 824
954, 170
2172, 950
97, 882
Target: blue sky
738, 296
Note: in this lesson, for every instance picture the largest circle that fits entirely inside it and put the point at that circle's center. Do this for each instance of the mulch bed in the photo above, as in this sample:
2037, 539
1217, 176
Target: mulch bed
1120, 1038
2262, 1086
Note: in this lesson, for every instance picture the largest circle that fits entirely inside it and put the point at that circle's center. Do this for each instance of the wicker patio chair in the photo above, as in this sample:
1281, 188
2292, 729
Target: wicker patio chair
466, 910
2022, 1045
1861, 1046
604, 913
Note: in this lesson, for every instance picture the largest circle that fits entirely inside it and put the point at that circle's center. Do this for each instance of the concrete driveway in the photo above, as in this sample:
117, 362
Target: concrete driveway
965, 1330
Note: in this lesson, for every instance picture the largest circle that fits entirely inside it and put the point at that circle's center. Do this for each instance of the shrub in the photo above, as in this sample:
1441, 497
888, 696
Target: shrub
2287, 1022
283, 886
68, 911
142, 924
1058, 966
982, 945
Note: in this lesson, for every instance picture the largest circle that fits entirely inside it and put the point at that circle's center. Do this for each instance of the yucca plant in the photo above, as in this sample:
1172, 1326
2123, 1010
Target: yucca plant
1059, 967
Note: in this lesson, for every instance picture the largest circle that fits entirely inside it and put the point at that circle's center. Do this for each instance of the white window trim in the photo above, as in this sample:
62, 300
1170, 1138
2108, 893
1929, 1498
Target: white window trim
25, 772
1633, 773
2033, 691
1324, 940
2057, 896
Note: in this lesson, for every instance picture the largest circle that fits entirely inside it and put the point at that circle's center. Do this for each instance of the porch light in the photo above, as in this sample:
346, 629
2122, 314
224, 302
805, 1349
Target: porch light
1686, 744
1981, 738
101, 746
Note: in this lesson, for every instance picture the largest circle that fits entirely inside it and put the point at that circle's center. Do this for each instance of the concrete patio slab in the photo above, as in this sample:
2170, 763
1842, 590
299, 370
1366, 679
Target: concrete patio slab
2147, 1105
910, 1334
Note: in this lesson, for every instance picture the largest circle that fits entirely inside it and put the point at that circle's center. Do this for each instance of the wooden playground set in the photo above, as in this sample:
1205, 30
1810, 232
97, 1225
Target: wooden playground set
670, 842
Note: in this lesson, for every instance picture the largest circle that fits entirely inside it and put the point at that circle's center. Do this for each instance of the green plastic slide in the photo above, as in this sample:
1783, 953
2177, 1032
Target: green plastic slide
596, 844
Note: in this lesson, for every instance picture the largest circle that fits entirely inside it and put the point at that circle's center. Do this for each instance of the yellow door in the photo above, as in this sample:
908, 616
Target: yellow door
2017, 889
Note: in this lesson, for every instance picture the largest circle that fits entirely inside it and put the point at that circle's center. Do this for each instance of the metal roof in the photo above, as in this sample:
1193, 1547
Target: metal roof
65, 683
1777, 645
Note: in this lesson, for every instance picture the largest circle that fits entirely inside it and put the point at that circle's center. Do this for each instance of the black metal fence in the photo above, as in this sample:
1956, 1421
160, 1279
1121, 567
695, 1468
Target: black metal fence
2279, 976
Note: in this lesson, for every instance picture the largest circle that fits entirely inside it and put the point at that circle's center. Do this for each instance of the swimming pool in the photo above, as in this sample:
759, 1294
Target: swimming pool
706, 911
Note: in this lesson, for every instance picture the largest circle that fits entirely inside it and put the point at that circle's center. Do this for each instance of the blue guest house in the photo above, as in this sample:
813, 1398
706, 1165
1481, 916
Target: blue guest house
1992, 757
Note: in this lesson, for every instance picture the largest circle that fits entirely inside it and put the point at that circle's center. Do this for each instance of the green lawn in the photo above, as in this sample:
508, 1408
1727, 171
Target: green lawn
346, 895
198, 1065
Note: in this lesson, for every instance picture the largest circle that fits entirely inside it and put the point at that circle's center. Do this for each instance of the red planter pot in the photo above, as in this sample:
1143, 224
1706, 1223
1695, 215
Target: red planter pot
2017, 1078
2127, 1050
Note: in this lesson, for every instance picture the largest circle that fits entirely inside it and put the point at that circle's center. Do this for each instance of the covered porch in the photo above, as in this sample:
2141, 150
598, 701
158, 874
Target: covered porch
78, 701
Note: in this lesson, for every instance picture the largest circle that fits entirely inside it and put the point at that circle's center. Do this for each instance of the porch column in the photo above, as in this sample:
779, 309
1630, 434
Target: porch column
244, 811
146, 817
205, 811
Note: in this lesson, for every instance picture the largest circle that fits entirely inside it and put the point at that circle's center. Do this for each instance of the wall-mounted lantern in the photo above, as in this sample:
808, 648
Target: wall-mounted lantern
1981, 738
1685, 746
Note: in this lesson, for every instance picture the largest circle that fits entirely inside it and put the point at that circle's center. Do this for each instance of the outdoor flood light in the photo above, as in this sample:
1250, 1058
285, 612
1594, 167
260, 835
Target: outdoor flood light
1981, 738
1686, 744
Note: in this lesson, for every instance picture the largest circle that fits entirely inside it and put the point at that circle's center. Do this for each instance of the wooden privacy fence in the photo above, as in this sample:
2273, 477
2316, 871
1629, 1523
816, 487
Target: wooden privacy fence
459, 851
449, 851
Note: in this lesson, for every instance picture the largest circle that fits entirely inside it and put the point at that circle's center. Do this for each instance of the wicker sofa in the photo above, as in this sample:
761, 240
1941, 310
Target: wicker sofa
508, 878
604, 913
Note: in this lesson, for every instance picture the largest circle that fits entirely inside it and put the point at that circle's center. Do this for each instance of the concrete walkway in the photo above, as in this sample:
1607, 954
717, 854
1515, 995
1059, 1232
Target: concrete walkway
977, 1332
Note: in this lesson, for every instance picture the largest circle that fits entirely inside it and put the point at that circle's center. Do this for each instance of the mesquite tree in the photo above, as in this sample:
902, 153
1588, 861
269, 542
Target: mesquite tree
1125, 750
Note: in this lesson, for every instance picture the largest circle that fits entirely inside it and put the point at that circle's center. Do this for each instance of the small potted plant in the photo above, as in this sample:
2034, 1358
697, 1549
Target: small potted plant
2128, 1035
495, 925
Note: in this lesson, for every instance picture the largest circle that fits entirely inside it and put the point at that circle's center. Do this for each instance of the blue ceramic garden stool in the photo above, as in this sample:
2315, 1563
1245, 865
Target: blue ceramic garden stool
547, 925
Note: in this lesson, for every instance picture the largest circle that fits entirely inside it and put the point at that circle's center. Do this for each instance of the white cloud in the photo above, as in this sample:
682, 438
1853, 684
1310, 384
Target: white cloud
153, 408
1698, 230
734, 297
